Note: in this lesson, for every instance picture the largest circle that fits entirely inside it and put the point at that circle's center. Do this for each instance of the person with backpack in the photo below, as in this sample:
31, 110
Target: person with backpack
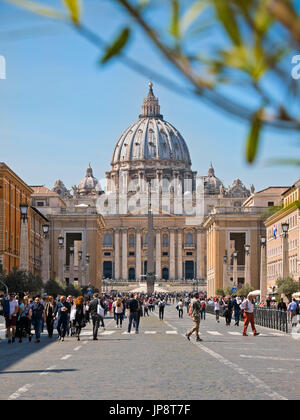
161, 308
195, 313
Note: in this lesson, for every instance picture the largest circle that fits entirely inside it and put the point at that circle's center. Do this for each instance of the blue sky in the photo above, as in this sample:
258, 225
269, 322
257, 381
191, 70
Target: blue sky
60, 110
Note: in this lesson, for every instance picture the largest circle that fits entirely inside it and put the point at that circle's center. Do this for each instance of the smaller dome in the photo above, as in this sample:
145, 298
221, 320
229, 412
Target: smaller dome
89, 184
212, 184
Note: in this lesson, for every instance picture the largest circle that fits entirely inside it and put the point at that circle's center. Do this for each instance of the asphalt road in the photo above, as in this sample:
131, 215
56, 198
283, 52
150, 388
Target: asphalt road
159, 363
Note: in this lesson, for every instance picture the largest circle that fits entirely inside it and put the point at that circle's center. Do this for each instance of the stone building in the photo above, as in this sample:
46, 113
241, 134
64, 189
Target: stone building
21, 242
283, 252
111, 226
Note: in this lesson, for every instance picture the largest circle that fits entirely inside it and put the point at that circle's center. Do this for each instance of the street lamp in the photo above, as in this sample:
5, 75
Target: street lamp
225, 258
285, 228
80, 255
61, 241
45, 230
263, 241
71, 250
87, 258
24, 211
247, 249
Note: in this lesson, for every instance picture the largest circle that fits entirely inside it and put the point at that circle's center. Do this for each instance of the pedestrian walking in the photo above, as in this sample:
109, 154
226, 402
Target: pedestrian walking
248, 307
49, 310
95, 308
237, 310
119, 312
293, 309
180, 308
146, 307
195, 313
79, 321
217, 309
228, 311
10, 312
37, 316
133, 309
161, 308
87, 312
23, 322
62, 314
203, 309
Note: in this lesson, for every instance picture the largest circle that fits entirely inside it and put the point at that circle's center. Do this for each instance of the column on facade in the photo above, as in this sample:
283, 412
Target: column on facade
198, 253
179, 255
138, 254
172, 255
61, 263
124, 255
158, 255
117, 254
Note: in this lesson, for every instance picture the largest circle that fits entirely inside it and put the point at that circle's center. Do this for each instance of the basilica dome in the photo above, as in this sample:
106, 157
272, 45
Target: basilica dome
150, 140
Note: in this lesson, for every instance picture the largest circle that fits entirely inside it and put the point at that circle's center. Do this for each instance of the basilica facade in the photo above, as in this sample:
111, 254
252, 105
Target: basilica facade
151, 167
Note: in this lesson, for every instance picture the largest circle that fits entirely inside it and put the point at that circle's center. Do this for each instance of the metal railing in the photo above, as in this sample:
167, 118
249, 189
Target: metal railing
265, 317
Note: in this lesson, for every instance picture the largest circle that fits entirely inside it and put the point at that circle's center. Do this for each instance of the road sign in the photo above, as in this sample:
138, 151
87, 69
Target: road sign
234, 290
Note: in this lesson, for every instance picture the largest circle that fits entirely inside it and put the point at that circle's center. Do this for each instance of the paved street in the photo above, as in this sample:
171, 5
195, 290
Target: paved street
159, 363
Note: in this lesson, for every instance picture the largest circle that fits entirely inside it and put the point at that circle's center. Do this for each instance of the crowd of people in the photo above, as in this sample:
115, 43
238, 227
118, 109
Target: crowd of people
68, 315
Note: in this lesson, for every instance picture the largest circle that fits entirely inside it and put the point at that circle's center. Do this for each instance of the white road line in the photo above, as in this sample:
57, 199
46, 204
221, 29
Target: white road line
282, 359
171, 332
67, 356
278, 334
77, 348
47, 370
234, 333
150, 332
213, 332
107, 332
20, 391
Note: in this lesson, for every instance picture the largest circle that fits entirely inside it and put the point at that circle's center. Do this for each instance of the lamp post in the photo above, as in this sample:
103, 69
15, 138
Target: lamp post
247, 264
235, 278
71, 249
61, 242
225, 261
80, 267
87, 259
285, 250
24, 240
263, 269
46, 255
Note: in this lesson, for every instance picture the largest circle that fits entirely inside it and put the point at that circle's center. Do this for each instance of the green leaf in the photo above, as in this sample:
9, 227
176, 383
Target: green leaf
174, 25
253, 138
116, 46
37, 8
227, 17
73, 6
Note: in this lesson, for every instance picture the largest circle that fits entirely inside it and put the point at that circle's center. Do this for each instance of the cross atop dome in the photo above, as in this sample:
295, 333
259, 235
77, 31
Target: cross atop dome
151, 107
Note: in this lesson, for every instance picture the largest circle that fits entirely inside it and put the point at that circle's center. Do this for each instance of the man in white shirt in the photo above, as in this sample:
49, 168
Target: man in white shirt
248, 308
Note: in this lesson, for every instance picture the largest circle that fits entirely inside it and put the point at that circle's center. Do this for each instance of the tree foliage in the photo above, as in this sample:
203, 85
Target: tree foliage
287, 286
226, 52
245, 290
220, 292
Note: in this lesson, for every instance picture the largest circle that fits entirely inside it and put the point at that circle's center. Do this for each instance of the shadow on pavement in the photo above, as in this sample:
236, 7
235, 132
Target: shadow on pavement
39, 371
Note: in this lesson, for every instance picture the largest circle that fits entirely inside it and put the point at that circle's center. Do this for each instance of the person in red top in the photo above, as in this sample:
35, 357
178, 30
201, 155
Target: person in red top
248, 308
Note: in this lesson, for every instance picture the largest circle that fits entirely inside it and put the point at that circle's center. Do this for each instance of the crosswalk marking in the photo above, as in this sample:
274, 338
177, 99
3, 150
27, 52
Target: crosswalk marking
107, 332
171, 332
234, 333
150, 332
213, 332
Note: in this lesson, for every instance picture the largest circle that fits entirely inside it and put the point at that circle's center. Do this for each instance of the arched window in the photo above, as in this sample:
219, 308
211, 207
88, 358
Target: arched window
107, 239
